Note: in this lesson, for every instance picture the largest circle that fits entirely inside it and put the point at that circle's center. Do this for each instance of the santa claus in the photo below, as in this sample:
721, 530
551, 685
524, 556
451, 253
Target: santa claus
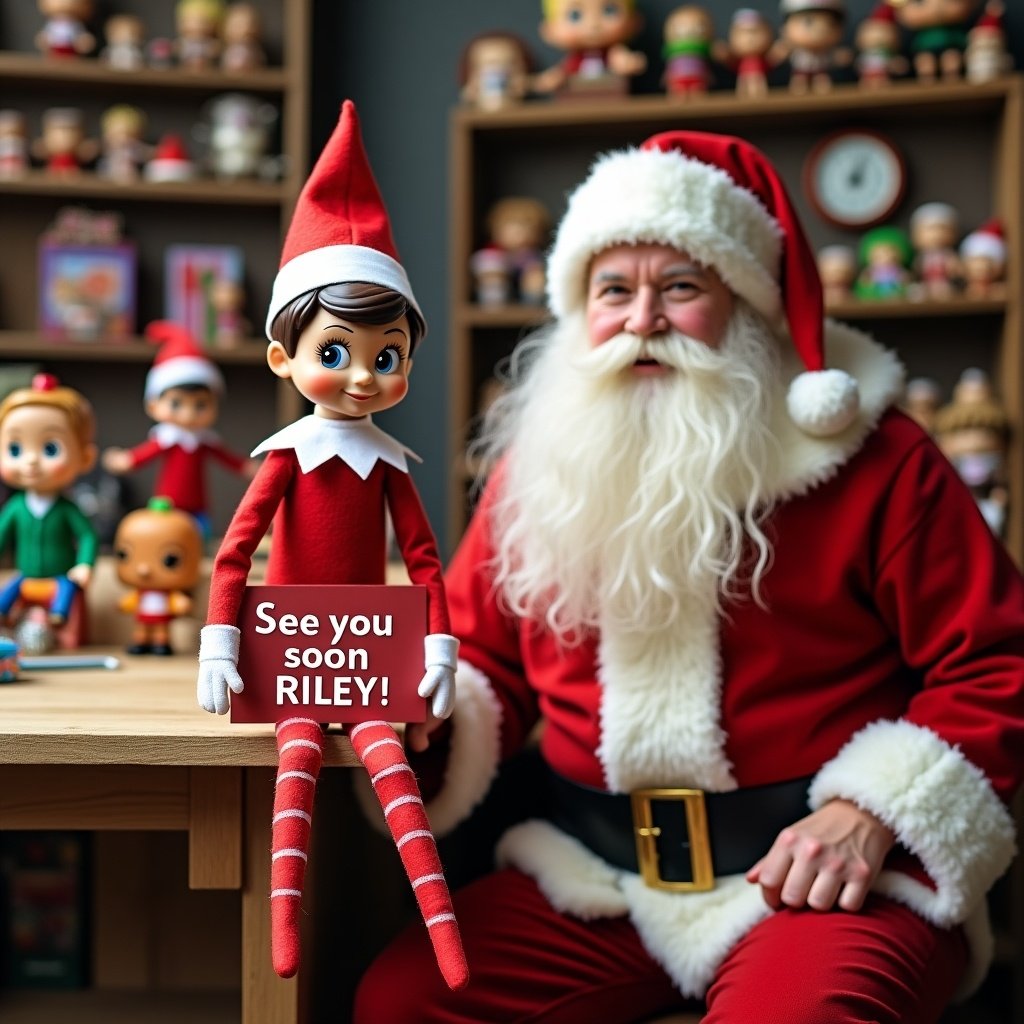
778, 655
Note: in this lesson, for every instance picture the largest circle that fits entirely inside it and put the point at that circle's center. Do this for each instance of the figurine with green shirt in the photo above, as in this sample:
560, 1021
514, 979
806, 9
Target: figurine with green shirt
46, 443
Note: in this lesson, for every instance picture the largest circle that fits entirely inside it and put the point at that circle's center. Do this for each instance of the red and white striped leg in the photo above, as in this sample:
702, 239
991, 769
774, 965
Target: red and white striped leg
377, 745
300, 748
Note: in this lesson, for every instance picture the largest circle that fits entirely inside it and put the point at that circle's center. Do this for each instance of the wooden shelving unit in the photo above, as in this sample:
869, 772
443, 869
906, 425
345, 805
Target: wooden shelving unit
544, 149
28, 345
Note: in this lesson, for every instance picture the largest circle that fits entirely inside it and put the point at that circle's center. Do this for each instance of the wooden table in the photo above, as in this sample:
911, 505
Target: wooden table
130, 750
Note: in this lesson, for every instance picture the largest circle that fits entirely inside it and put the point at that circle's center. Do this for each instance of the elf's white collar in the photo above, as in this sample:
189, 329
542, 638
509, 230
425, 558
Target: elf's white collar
167, 435
358, 443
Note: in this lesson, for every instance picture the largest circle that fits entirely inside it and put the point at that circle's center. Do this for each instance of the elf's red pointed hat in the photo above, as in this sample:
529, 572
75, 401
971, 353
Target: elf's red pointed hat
179, 361
719, 199
340, 229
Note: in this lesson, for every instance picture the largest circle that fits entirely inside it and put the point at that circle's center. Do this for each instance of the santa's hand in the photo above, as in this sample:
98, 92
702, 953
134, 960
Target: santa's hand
441, 655
218, 660
831, 856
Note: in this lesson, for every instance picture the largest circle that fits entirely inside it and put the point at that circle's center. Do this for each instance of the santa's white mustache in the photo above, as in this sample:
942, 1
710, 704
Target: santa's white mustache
672, 349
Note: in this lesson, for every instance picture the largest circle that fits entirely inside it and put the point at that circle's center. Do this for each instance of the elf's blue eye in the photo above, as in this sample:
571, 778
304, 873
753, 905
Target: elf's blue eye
574, 14
51, 449
14, 450
334, 357
612, 10
388, 361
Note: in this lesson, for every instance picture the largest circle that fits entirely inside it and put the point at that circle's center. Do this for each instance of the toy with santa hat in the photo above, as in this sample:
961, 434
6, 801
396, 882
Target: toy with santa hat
983, 260
877, 41
342, 325
183, 391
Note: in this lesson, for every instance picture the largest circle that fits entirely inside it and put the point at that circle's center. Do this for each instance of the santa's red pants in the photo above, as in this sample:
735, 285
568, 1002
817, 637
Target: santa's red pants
529, 963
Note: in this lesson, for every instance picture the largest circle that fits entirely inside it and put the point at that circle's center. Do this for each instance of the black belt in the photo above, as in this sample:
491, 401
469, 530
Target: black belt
678, 838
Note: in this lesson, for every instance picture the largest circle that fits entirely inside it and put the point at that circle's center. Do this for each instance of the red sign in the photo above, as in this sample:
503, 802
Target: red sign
332, 653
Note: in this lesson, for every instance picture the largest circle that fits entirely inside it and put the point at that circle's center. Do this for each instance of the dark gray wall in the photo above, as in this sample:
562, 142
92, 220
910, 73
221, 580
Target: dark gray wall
397, 60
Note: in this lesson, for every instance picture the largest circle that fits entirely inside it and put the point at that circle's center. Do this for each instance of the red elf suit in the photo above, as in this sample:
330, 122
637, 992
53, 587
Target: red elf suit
327, 485
885, 667
183, 452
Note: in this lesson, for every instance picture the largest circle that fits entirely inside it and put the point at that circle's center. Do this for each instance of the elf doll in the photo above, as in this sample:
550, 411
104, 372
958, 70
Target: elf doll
183, 392
343, 324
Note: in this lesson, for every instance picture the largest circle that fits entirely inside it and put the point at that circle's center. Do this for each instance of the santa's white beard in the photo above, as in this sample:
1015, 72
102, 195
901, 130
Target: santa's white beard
624, 494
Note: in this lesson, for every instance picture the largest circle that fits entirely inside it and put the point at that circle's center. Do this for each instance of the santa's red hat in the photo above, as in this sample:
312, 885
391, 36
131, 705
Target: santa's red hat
179, 362
340, 229
987, 240
720, 200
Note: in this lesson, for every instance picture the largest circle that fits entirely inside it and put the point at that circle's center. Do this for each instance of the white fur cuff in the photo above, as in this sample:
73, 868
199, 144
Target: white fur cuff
219, 642
939, 804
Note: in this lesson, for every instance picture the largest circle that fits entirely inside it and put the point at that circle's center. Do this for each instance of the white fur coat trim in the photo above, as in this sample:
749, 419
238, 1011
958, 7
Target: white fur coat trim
472, 761
941, 807
688, 934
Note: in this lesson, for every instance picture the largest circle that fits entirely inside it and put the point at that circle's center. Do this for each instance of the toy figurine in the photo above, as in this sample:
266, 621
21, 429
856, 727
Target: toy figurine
170, 161
123, 152
242, 34
885, 254
878, 48
65, 33
811, 33
921, 402
973, 431
593, 34
46, 443
519, 226
63, 144
13, 144
343, 325
126, 42
983, 261
934, 229
227, 298
198, 25
689, 34
182, 395
938, 35
748, 51
236, 127
492, 276
986, 57
159, 551
160, 53
837, 268
494, 71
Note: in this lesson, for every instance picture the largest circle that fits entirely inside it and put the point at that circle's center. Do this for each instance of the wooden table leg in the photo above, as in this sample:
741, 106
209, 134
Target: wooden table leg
266, 998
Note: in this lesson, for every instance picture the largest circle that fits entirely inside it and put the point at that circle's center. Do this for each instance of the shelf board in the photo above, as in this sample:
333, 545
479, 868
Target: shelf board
30, 345
86, 185
86, 71
91, 1006
503, 316
723, 108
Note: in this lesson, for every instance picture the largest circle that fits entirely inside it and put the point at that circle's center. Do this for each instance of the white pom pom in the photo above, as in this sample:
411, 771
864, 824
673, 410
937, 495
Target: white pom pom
823, 403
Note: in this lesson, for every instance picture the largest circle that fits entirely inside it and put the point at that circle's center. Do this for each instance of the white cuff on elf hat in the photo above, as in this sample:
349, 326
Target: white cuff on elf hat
720, 200
941, 807
179, 361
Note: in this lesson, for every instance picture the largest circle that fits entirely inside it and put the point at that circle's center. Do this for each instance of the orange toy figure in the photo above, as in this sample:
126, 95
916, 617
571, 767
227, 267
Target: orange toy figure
46, 443
593, 34
158, 550
343, 326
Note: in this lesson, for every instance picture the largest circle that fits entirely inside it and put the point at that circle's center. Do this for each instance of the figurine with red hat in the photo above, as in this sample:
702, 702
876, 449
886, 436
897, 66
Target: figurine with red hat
877, 40
183, 391
986, 56
809, 38
777, 652
343, 326
983, 261
46, 442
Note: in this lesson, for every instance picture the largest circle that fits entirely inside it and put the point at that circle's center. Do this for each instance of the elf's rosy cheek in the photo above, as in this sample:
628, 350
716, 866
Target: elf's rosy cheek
395, 387
321, 384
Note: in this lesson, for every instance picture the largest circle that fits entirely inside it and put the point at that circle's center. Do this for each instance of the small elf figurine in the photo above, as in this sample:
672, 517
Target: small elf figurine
63, 144
126, 42
877, 40
885, 254
934, 229
182, 394
689, 34
748, 51
198, 23
837, 268
13, 144
46, 443
811, 33
593, 34
938, 35
65, 33
159, 551
983, 261
242, 35
494, 71
972, 432
343, 325
986, 57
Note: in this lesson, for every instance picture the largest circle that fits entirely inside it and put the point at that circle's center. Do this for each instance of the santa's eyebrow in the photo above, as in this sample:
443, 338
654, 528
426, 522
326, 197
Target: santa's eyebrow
608, 275
681, 269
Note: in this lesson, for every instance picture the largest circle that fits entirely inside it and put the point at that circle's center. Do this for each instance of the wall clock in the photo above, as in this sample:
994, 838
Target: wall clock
855, 178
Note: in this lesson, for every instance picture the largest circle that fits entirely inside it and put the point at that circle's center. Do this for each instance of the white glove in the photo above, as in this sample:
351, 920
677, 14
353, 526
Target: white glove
218, 658
441, 653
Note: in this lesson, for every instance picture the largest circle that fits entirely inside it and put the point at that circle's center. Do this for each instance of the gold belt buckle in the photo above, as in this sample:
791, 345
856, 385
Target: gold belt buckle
646, 834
